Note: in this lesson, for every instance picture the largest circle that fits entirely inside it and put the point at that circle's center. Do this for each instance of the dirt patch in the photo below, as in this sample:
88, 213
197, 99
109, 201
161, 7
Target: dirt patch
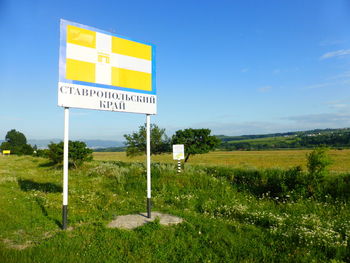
10, 244
7, 179
136, 220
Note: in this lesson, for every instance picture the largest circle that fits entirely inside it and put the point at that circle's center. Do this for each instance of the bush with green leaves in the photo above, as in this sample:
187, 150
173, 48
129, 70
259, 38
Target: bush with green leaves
196, 141
136, 142
318, 161
44, 153
78, 153
291, 184
16, 142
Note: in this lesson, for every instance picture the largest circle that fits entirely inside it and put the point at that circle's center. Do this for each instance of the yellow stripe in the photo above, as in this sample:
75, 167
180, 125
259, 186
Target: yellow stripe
81, 36
80, 70
131, 48
131, 79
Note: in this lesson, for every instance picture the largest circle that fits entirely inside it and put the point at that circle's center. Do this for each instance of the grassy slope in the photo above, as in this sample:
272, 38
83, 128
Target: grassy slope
222, 225
289, 137
267, 140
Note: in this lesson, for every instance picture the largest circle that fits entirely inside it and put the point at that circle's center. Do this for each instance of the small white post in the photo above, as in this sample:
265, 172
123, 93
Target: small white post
148, 142
178, 165
65, 168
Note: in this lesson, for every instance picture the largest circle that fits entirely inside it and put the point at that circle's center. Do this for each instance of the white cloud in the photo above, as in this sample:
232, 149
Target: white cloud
342, 79
291, 123
331, 42
337, 53
265, 89
322, 120
244, 128
320, 85
244, 70
344, 75
339, 105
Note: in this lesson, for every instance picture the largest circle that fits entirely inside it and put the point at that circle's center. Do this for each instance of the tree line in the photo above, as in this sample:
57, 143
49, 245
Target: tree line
195, 141
330, 139
16, 143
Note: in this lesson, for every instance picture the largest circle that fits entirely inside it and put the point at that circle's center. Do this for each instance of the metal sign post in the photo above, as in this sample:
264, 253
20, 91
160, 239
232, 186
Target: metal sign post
65, 168
148, 139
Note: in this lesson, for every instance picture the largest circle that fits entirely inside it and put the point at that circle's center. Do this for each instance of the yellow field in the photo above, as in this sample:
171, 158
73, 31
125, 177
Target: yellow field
258, 159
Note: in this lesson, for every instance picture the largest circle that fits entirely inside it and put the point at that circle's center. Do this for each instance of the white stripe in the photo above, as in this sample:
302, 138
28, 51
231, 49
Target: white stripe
87, 54
137, 64
103, 42
103, 74
81, 53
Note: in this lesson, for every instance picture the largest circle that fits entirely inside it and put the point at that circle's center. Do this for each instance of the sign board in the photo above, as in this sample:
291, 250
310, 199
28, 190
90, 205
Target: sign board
104, 71
6, 152
178, 152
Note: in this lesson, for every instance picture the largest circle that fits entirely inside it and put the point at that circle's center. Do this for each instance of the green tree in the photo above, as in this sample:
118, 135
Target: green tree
318, 161
136, 142
16, 142
15, 138
196, 141
6, 146
78, 153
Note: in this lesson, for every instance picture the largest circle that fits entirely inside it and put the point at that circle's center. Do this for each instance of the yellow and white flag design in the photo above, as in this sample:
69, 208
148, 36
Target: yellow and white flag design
104, 59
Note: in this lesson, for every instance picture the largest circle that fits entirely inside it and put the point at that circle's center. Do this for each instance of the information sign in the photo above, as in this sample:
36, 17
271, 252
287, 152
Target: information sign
178, 152
104, 71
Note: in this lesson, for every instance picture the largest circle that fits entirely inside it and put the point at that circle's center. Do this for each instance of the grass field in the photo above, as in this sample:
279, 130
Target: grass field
245, 159
223, 223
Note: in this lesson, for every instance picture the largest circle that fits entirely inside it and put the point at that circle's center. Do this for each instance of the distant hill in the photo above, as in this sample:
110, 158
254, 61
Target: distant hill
110, 149
338, 138
93, 144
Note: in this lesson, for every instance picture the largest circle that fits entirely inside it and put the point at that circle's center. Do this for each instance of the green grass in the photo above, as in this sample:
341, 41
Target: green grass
266, 140
222, 222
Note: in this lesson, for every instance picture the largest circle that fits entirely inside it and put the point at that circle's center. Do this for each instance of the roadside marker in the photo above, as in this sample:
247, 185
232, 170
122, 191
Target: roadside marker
178, 154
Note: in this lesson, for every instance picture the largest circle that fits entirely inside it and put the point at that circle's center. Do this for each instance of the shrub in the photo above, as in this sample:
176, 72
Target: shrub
336, 186
291, 184
78, 153
318, 162
16, 142
136, 142
41, 153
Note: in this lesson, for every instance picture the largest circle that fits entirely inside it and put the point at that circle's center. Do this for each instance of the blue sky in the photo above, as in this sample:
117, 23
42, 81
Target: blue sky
236, 67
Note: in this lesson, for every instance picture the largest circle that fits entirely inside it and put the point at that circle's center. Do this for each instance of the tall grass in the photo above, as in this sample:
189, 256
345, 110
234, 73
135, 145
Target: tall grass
291, 184
227, 217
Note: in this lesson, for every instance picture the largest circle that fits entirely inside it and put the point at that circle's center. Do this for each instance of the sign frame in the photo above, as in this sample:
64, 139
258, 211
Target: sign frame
103, 96
178, 152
